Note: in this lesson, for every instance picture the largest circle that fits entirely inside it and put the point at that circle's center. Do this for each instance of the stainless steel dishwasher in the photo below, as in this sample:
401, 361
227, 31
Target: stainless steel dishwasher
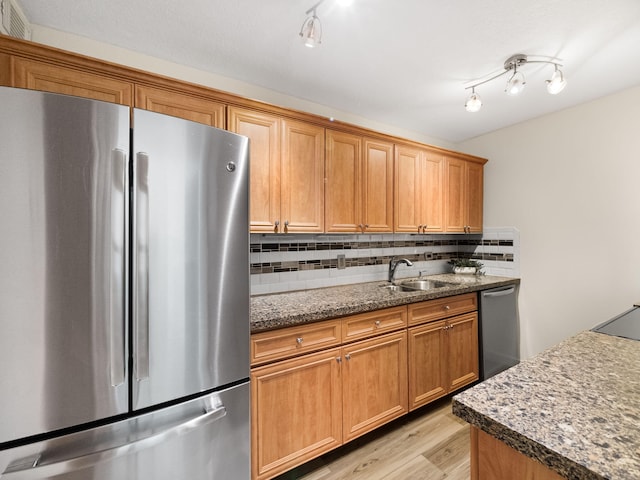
499, 330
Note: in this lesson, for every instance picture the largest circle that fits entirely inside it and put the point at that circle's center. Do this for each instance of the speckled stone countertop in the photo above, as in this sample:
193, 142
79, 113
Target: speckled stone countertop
574, 407
294, 308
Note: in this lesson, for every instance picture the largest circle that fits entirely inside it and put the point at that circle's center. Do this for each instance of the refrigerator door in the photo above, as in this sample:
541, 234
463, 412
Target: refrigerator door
202, 439
190, 258
62, 254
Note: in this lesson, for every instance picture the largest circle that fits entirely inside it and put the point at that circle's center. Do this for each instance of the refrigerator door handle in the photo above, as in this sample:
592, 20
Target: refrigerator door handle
31, 469
117, 252
141, 267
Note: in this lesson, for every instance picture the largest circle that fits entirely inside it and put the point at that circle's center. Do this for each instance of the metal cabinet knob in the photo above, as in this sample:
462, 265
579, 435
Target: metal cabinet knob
377, 323
299, 340
447, 307
339, 359
347, 356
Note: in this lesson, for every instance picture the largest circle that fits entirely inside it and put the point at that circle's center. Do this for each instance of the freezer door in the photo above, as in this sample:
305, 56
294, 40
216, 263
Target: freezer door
190, 258
62, 207
202, 439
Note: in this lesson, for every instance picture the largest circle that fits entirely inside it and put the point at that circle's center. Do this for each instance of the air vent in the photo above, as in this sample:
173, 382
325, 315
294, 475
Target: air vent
14, 22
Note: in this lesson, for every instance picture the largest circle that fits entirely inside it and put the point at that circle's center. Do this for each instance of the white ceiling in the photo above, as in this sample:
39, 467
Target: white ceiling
400, 62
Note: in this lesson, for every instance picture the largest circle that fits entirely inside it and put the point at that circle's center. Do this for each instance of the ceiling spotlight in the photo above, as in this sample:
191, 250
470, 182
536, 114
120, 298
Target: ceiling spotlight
557, 82
516, 81
311, 31
515, 84
473, 103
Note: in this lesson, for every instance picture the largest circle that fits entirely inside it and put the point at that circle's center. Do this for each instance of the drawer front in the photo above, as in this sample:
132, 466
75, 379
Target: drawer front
368, 324
442, 308
289, 342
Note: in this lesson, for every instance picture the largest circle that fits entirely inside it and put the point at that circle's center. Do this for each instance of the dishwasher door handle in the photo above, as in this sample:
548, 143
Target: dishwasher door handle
499, 293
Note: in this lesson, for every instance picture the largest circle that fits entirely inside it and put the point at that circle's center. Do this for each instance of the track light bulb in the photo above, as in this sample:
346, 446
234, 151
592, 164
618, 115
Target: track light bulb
557, 82
515, 84
473, 103
311, 31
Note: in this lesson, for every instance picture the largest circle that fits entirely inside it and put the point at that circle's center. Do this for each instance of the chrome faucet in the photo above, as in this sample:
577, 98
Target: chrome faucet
393, 264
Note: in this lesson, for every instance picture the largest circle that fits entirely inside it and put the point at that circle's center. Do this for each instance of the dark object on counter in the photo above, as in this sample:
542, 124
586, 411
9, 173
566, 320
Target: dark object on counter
625, 325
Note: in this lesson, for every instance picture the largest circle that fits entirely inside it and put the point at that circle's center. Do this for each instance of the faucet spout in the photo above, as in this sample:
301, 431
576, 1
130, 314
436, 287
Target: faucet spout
393, 265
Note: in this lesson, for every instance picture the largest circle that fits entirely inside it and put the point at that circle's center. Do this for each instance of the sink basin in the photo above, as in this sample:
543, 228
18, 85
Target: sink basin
422, 284
414, 285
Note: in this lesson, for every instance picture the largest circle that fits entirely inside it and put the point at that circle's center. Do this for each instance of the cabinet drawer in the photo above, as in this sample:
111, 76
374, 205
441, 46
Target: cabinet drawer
288, 342
442, 308
368, 324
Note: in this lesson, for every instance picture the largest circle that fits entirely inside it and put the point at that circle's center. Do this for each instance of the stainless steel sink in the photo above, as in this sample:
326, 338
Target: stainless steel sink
414, 285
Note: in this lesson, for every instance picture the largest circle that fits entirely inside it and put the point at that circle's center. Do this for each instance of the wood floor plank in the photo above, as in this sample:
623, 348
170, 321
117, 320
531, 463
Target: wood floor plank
430, 444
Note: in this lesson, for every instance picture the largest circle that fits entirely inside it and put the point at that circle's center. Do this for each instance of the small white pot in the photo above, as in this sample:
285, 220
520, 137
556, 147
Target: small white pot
464, 270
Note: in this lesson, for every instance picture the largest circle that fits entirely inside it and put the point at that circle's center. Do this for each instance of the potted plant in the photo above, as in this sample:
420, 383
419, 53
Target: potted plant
466, 266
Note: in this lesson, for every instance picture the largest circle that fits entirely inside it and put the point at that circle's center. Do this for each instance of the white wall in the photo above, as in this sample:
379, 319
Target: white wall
570, 182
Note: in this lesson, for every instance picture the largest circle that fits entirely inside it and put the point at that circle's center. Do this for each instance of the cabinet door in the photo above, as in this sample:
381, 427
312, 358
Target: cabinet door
455, 188
343, 195
302, 187
407, 190
377, 186
46, 77
296, 412
462, 345
263, 131
180, 105
475, 186
374, 383
427, 364
433, 192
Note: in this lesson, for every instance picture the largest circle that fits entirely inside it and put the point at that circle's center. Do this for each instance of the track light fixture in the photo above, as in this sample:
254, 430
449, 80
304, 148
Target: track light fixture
311, 30
516, 81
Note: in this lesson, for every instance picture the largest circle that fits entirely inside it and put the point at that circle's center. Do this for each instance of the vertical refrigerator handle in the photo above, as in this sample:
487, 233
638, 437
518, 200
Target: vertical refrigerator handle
141, 267
117, 259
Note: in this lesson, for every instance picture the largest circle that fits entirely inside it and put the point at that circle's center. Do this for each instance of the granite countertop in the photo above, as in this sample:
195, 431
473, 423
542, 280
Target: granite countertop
575, 407
294, 308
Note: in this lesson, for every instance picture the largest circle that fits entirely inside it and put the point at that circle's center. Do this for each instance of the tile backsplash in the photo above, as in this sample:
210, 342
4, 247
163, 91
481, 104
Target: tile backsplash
281, 263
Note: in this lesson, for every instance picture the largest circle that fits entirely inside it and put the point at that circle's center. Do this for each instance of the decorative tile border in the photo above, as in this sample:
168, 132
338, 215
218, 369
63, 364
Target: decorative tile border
281, 263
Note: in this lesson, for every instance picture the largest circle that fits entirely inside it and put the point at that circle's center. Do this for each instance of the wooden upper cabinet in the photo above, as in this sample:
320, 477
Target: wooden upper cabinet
263, 131
287, 171
377, 186
464, 195
302, 185
419, 187
343, 188
46, 77
408, 189
180, 105
359, 184
433, 192
475, 198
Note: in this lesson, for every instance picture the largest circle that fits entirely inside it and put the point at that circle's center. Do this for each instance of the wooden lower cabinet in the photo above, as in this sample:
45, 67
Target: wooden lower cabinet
370, 369
443, 357
296, 410
492, 459
374, 383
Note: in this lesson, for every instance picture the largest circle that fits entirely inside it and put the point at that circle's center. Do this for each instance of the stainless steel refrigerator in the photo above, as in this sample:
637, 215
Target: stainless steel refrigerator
124, 294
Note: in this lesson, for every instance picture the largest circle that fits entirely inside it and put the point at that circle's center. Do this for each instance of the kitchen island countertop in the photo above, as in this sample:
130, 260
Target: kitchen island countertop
575, 407
281, 310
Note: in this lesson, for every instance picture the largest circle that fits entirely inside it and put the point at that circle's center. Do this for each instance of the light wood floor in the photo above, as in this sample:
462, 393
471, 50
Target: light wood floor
430, 444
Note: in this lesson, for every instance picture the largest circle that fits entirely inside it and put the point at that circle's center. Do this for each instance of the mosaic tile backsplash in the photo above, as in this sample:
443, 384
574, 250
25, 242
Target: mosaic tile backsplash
281, 263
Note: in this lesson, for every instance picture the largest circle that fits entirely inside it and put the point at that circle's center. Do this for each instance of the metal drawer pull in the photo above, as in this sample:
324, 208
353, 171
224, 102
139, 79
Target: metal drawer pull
377, 322
299, 340
348, 356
